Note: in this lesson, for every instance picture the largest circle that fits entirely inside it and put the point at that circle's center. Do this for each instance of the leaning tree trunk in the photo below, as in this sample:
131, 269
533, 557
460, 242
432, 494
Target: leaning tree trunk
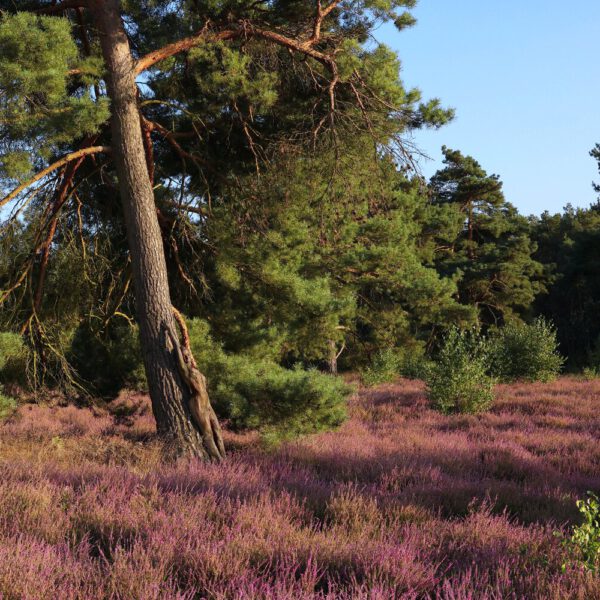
170, 394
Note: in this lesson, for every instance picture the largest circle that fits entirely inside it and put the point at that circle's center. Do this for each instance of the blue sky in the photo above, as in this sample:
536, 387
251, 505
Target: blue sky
524, 78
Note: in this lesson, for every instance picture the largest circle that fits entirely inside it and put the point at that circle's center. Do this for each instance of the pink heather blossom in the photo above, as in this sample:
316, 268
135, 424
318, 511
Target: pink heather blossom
400, 502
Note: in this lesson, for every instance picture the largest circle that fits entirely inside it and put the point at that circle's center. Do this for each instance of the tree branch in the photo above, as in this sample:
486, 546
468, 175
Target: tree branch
245, 30
61, 197
322, 14
148, 147
302, 46
203, 212
53, 167
144, 63
168, 135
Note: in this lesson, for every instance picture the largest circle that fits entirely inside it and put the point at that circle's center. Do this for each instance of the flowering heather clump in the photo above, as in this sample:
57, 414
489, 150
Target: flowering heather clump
400, 502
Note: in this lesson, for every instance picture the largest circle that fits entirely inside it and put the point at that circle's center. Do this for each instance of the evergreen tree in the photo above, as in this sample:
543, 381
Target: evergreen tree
158, 104
569, 247
595, 153
330, 264
491, 251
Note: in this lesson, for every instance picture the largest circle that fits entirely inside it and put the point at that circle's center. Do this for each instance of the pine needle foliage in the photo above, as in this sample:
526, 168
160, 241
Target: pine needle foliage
39, 109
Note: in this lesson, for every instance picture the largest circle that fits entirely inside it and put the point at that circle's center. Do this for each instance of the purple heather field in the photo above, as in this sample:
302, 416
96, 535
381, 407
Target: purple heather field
400, 502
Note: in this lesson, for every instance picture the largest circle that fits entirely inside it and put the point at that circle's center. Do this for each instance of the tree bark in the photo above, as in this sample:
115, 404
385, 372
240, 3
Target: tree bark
333, 358
170, 395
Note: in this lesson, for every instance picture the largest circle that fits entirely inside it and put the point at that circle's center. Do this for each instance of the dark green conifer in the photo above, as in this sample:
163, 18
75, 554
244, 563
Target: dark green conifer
491, 251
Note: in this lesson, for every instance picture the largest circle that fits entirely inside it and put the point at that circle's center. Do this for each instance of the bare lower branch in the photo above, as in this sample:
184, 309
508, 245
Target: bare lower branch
148, 147
61, 197
168, 135
4, 294
203, 212
53, 167
246, 129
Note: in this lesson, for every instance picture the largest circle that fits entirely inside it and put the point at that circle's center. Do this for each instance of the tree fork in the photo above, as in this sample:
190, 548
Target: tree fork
169, 393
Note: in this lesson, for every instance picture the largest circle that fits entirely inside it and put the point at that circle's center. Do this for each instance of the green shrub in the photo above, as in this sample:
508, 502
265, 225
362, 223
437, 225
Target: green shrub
590, 373
13, 358
109, 360
415, 366
393, 362
7, 405
260, 394
528, 352
11, 344
584, 544
458, 381
384, 368
281, 402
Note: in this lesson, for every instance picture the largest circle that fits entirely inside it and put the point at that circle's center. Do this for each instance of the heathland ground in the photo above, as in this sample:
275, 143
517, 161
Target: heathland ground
400, 502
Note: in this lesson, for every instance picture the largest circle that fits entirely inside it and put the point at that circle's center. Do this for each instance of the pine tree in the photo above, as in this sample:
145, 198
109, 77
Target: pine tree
163, 101
595, 153
568, 247
330, 264
491, 251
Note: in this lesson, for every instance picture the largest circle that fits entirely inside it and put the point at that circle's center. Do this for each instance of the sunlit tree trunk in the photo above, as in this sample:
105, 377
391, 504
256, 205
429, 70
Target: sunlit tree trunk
170, 395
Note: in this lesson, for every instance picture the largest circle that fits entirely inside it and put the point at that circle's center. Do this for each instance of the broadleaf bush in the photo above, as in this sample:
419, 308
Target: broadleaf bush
383, 369
390, 363
584, 544
525, 351
590, 373
458, 381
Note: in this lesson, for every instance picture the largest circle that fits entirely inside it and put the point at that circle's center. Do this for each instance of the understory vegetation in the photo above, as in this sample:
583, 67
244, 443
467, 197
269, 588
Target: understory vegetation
527, 352
584, 543
306, 246
459, 380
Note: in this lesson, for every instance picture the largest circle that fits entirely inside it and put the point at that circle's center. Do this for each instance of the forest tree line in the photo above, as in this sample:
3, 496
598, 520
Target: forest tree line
300, 238
340, 261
